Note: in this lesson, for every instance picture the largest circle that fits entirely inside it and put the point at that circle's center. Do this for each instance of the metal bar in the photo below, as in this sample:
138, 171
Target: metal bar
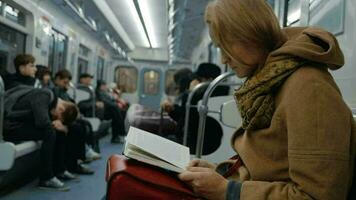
2, 99
203, 110
94, 100
71, 85
187, 110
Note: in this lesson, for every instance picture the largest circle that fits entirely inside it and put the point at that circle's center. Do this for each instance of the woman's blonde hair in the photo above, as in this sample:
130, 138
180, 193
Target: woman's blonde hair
245, 21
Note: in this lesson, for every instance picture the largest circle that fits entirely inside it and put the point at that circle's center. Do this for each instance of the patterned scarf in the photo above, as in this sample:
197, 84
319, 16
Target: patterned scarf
255, 99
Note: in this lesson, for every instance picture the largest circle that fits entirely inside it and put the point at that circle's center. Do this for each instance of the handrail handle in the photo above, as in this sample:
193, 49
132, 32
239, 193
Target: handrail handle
2, 99
203, 110
188, 105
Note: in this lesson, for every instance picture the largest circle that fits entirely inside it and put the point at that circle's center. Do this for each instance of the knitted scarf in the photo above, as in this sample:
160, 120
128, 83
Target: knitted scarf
255, 99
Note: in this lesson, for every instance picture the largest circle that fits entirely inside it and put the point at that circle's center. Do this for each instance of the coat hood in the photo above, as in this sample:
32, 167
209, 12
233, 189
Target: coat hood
313, 44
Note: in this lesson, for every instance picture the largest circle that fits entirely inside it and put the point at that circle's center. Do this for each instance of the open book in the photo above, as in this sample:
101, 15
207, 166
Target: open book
155, 150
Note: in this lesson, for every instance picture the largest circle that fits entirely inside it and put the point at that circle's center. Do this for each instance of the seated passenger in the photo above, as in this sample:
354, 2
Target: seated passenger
43, 75
176, 109
297, 139
25, 72
116, 94
35, 114
111, 111
206, 72
77, 135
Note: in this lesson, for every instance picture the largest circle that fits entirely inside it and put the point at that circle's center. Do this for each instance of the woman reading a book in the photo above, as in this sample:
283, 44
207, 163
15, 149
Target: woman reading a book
297, 139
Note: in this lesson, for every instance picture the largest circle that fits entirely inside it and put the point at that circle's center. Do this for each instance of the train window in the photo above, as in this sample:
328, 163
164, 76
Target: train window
100, 68
126, 79
12, 43
151, 82
171, 88
294, 12
84, 51
82, 67
15, 15
57, 51
213, 53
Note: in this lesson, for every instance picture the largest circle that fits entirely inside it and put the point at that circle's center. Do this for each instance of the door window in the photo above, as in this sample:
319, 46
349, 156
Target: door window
126, 79
151, 82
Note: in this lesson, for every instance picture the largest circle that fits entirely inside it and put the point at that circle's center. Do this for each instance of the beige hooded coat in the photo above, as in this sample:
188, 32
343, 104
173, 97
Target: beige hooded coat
308, 150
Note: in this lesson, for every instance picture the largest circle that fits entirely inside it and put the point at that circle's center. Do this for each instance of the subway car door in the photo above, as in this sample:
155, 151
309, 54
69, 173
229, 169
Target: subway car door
150, 92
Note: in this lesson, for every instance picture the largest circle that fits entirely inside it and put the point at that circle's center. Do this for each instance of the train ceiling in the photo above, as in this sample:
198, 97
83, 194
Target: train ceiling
161, 30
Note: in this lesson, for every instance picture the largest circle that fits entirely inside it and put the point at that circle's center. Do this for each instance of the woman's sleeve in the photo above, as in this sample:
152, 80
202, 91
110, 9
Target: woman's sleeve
318, 124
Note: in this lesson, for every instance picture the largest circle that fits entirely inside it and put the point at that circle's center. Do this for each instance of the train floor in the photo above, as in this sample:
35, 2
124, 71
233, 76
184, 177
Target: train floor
90, 187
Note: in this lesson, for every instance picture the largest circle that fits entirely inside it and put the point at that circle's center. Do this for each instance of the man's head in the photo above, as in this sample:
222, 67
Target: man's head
101, 86
62, 79
25, 65
43, 74
65, 111
85, 79
207, 71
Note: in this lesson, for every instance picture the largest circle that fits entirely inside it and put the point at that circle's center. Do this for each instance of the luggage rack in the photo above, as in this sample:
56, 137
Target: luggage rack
203, 109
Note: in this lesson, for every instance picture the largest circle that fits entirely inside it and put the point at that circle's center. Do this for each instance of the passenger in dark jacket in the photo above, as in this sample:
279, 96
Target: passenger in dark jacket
111, 111
47, 113
78, 131
206, 72
25, 72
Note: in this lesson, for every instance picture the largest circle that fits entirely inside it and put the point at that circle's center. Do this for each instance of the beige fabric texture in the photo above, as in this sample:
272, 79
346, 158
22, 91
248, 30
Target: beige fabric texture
307, 149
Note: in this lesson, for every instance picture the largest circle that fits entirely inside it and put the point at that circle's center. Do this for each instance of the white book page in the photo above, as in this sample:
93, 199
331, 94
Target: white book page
160, 147
135, 153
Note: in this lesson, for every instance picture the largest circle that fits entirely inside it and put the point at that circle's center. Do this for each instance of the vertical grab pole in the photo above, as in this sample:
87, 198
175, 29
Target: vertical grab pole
203, 110
71, 85
94, 100
2, 99
188, 105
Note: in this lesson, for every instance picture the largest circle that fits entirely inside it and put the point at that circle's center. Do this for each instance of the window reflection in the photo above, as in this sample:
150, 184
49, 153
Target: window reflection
12, 42
126, 79
151, 82
294, 12
14, 15
170, 87
57, 51
100, 68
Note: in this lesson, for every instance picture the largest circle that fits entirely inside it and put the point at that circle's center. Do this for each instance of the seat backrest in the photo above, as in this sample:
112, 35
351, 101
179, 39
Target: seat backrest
82, 95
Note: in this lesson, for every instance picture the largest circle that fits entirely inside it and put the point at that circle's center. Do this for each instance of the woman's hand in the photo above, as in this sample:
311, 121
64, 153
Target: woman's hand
167, 105
205, 182
202, 163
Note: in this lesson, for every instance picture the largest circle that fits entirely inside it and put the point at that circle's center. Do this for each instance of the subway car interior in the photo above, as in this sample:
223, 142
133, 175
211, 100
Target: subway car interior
149, 64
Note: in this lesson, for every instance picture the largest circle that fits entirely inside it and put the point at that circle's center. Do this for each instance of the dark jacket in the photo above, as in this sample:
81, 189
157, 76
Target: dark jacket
39, 102
62, 93
213, 130
13, 80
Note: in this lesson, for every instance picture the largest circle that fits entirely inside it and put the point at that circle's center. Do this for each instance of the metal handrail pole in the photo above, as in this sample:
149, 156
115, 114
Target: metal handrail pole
71, 85
203, 110
187, 110
2, 99
94, 100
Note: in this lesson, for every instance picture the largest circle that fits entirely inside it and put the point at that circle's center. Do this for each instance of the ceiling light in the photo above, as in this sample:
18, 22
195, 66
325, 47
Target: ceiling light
136, 18
147, 18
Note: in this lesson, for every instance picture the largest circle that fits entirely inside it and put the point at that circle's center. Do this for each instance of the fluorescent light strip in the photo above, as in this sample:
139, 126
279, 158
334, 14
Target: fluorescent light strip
111, 17
136, 18
146, 15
